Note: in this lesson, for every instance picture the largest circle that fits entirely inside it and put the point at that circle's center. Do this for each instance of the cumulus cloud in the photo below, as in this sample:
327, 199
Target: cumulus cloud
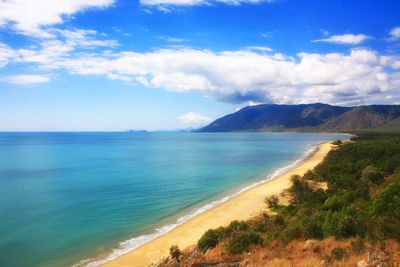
29, 17
394, 34
242, 76
345, 39
360, 76
194, 119
25, 79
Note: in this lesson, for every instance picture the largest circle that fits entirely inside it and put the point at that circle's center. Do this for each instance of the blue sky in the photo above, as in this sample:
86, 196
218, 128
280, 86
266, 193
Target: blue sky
72, 65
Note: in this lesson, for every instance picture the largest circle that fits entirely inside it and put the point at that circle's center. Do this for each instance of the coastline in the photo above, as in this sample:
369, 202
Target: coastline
245, 204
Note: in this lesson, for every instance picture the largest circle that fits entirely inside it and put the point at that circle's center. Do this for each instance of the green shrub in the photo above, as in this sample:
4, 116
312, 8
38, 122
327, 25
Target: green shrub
300, 189
278, 220
372, 174
234, 227
292, 231
241, 242
209, 240
313, 228
335, 203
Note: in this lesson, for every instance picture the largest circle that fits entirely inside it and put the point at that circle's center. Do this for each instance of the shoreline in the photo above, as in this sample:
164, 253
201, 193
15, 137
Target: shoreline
244, 204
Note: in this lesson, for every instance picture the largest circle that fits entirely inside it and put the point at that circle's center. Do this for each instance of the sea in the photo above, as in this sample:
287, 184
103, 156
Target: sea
84, 198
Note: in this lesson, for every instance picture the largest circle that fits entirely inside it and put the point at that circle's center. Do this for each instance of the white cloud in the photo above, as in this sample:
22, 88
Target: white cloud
6, 54
260, 48
394, 34
25, 79
358, 77
30, 16
172, 2
194, 119
345, 39
85, 38
50, 52
165, 5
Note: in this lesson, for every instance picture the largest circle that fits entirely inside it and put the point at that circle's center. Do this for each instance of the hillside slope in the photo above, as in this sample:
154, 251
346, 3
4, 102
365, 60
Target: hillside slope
308, 118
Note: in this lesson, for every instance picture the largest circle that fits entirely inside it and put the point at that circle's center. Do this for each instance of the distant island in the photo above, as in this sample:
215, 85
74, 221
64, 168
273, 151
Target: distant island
309, 118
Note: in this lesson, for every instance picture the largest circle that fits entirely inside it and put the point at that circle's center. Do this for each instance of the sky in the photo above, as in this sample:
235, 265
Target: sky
112, 65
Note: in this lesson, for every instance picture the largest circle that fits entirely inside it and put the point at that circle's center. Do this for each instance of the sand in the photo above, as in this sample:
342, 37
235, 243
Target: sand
241, 207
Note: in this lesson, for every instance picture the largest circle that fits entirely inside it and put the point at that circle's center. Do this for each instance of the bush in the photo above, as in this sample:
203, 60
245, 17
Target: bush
175, 253
313, 228
337, 142
358, 246
372, 174
242, 241
335, 203
208, 240
292, 231
300, 189
234, 227
338, 253
278, 220
272, 201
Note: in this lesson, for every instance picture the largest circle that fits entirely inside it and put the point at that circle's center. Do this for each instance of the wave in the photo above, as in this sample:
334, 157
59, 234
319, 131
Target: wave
131, 244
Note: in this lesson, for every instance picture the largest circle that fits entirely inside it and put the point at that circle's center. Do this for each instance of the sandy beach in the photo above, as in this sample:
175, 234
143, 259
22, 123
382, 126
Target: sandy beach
241, 207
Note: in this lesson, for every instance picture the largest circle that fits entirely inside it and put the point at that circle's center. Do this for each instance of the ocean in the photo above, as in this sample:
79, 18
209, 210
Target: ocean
83, 198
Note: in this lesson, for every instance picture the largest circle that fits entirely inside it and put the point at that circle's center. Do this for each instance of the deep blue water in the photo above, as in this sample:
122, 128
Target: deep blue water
66, 197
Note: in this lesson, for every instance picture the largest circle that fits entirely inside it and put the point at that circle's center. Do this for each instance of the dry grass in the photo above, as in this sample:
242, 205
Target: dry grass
295, 254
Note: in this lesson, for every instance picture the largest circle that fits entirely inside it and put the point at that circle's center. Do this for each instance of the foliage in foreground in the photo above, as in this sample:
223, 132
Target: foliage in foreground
362, 200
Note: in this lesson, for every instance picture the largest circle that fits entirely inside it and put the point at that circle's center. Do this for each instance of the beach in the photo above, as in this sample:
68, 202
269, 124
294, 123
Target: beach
241, 207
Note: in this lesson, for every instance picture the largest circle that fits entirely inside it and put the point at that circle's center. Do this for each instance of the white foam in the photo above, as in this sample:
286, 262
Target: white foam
131, 244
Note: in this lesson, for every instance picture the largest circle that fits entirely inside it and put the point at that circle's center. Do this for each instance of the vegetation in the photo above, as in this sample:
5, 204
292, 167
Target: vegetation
175, 252
362, 202
272, 201
309, 118
337, 142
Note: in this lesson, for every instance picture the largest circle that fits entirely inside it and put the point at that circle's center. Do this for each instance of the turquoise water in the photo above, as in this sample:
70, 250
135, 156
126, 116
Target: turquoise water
67, 197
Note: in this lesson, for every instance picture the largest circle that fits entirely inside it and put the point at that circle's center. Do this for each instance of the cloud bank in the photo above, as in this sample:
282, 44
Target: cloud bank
360, 76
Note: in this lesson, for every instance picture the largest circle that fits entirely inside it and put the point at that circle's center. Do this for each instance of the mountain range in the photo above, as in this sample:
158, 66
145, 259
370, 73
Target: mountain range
309, 118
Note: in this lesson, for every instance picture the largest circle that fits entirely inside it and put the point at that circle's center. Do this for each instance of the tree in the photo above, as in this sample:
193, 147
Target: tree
175, 252
272, 201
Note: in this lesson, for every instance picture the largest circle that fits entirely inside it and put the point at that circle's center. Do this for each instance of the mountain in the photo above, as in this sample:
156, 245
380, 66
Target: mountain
309, 118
